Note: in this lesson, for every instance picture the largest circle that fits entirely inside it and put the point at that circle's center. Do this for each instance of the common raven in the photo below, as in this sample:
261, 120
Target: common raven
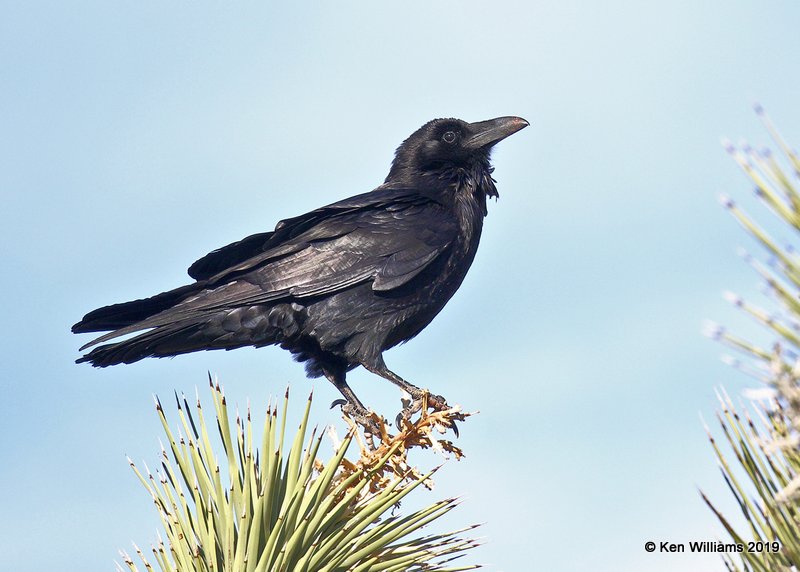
336, 286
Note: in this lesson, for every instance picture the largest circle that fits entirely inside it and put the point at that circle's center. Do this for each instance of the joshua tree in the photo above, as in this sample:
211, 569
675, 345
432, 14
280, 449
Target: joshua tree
764, 436
277, 507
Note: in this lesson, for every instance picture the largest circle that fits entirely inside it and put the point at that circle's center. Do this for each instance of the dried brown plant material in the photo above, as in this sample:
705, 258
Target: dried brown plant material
425, 432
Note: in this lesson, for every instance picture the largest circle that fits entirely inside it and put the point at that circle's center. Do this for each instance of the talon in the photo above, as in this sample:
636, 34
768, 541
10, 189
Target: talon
454, 427
405, 414
409, 408
338, 402
362, 417
437, 402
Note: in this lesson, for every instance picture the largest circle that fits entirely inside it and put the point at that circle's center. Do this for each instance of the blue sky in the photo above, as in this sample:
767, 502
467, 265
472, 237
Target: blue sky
138, 136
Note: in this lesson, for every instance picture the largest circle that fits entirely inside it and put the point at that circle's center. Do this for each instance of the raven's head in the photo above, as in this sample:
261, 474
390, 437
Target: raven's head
447, 144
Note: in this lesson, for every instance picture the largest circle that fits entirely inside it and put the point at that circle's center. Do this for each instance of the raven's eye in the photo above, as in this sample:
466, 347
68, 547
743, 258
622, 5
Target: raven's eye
449, 137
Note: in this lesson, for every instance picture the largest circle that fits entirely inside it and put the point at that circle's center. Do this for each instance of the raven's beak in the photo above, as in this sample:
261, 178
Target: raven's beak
487, 133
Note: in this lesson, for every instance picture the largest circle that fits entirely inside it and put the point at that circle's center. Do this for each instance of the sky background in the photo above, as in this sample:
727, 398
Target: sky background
136, 137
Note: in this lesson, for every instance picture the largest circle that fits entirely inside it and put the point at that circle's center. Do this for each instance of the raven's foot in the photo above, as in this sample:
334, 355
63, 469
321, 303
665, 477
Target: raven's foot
416, 401
422, 400
370, 421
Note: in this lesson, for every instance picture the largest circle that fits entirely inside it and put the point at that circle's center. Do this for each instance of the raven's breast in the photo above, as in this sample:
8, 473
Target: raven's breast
359, 323
433, 288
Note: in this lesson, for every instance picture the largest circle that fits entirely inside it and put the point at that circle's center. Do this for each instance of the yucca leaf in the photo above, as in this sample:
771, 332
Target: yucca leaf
278, 508
765, 474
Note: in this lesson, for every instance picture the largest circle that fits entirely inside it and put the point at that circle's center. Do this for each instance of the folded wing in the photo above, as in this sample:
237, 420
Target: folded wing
386, 237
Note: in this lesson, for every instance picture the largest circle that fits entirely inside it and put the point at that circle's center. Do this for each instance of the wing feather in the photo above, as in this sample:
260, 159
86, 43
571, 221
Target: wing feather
388, 238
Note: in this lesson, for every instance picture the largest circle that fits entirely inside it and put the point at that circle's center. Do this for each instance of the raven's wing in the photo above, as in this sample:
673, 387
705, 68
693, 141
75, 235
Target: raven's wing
218, 260
361, 239
387, 238
237, 254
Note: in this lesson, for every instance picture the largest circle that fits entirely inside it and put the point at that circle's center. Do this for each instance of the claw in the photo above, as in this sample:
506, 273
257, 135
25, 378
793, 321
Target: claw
411, 406
414, 402
363, 418
405, 415
437, 402
338, 402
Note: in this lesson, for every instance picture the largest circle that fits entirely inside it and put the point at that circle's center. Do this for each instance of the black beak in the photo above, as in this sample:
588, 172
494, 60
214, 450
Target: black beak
487, 133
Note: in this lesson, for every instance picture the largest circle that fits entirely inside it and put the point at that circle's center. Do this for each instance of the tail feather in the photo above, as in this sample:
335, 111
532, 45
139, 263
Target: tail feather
165, 341
119, 316
226, 329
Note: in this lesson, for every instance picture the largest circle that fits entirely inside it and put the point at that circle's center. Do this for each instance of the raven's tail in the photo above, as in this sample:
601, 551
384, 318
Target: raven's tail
221, 329
119, 316
164, 341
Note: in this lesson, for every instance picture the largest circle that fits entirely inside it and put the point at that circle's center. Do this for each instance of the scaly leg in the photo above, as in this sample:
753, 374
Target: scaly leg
351, 405
437, 402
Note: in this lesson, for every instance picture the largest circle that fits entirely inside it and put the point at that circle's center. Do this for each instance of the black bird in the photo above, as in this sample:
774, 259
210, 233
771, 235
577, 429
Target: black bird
336, 286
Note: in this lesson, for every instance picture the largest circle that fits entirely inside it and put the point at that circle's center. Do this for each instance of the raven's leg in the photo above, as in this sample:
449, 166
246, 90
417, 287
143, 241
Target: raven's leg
351, 405
379, 368
435, 401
